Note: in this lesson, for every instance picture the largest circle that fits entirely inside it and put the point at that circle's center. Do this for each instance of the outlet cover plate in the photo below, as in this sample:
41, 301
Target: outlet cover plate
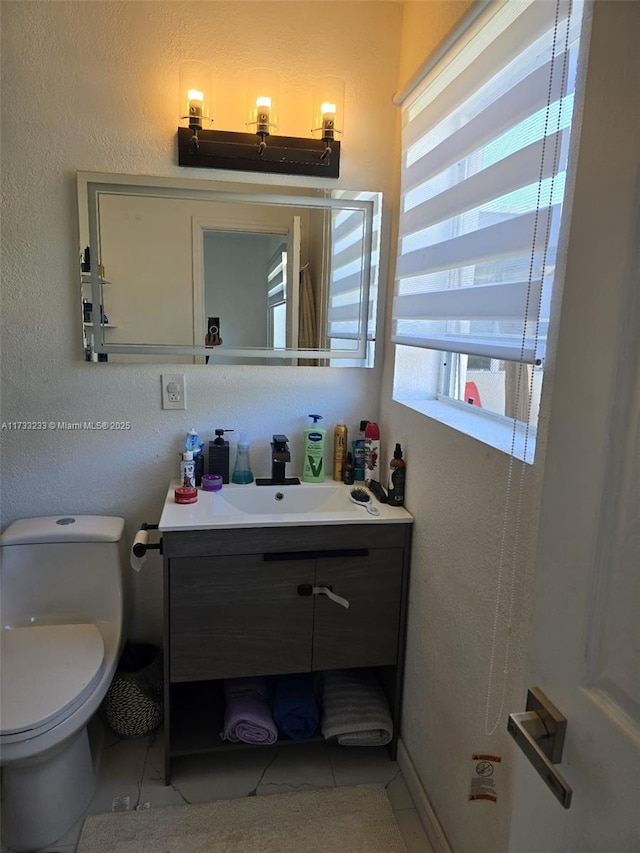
173, 391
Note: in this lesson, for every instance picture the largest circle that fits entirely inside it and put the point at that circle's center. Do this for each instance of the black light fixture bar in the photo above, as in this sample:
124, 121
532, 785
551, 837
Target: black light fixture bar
284, 155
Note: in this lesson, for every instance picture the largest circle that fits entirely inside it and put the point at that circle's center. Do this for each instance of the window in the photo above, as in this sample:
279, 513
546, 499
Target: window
485, 141
277, 299
349, 314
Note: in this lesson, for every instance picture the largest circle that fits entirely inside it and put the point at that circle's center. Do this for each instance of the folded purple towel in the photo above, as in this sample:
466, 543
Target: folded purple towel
247, 716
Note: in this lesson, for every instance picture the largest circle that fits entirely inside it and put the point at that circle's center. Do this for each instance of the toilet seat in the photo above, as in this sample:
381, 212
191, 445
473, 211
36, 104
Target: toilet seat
47, 670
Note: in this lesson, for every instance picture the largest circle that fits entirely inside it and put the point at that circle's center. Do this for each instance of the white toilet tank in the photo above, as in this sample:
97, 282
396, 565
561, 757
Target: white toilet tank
62, 569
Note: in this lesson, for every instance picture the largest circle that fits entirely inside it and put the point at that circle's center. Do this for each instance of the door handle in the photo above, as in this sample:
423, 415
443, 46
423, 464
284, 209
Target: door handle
308, 589
328, 591
539, 732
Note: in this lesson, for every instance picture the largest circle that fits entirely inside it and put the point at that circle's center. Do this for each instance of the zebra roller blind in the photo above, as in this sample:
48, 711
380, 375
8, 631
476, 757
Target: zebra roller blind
485, 141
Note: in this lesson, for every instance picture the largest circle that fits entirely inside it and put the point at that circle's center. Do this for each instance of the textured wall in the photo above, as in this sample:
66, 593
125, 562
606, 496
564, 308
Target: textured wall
425, 25
93, 86
456, 489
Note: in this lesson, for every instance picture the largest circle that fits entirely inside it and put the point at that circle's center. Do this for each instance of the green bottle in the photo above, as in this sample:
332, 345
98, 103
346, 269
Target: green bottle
314, 441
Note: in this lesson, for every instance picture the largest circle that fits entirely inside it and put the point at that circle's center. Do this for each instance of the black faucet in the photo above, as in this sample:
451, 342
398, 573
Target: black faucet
280, 455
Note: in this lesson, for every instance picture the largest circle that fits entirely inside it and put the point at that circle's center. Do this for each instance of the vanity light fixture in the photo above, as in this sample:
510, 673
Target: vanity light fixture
258, 149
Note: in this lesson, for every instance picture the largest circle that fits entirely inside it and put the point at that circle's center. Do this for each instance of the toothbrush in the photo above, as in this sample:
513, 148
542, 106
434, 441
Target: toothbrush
361, 497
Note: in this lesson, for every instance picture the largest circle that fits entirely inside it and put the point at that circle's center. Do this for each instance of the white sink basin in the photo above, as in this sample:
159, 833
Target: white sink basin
266, 500
307, 504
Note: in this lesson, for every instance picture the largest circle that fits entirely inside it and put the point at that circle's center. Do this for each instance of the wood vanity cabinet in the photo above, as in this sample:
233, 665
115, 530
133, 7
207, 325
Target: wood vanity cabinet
239, 602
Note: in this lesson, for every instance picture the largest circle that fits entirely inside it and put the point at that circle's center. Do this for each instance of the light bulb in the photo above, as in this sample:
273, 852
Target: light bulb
327, 102
195, 92
262, 93
263, 105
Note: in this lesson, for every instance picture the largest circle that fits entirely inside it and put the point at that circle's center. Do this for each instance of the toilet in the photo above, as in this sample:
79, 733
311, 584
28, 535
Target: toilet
62, 608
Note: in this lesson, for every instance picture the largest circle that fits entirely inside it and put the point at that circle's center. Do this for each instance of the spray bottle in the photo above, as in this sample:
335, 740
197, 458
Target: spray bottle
397, 475
372, 451
339, 449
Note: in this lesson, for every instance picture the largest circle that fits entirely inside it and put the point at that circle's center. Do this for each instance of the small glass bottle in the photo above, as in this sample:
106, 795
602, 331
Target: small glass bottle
347, 470
242, 473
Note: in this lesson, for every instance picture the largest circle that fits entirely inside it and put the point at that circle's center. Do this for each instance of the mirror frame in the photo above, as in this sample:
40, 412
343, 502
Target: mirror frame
92, 184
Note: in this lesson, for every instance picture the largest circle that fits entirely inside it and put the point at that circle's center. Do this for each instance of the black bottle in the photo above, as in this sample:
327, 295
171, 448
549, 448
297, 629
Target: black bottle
397, 475
347, 470
219, 455
198, 464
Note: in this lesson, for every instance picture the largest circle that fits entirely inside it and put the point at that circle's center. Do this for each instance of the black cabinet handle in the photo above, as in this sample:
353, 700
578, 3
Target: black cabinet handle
343, 552
279, 556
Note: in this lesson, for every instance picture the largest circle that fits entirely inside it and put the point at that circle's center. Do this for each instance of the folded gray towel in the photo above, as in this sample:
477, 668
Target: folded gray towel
355, 709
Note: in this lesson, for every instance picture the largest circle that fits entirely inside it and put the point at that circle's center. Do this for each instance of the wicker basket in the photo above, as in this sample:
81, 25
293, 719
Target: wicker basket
133, 706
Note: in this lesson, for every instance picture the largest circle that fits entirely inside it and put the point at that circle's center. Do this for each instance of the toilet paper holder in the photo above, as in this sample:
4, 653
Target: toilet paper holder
141, 542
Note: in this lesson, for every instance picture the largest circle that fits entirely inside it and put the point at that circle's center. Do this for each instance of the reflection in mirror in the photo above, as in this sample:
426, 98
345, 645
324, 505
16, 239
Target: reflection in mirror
191, 271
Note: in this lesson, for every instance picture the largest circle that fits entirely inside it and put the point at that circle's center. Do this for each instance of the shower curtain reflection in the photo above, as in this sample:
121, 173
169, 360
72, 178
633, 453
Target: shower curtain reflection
308, 335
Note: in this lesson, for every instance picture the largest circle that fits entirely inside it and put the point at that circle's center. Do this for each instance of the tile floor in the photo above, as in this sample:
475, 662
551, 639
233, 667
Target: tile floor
131, 774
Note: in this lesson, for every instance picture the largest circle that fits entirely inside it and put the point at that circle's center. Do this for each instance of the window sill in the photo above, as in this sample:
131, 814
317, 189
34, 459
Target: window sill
496, 431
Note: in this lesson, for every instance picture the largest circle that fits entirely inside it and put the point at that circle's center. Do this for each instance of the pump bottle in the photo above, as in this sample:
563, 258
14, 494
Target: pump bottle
219, 455
242, 472
314, 439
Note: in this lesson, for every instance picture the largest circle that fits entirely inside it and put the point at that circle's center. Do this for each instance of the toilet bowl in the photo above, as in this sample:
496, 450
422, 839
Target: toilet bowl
62, 616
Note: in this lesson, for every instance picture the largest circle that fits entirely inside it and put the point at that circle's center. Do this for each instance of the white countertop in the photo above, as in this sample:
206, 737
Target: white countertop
213, 511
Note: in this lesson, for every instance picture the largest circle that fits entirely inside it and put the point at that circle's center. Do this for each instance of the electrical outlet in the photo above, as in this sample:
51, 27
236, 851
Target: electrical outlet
173, 395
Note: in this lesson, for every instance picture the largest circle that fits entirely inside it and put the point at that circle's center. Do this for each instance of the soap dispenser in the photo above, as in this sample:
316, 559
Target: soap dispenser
219, 455
242, 472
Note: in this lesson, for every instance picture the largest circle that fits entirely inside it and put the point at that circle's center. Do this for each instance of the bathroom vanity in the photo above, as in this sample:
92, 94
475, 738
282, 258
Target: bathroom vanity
242, 598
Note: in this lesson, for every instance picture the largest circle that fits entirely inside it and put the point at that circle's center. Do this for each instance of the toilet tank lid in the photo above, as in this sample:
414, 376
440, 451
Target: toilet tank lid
63, 528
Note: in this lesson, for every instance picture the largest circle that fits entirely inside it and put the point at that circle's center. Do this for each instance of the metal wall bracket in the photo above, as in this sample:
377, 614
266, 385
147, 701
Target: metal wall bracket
539, 732
285, 155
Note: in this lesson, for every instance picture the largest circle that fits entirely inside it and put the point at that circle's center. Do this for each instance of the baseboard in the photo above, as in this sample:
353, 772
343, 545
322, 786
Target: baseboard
432, 827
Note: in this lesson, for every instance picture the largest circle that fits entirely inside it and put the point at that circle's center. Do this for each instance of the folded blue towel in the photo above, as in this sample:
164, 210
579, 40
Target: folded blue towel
295, 708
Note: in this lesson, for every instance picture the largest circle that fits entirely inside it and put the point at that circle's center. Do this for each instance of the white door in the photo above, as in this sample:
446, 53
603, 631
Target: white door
585, 642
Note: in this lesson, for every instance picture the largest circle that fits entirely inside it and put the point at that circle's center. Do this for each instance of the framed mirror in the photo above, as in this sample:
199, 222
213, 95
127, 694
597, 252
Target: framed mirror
218, 273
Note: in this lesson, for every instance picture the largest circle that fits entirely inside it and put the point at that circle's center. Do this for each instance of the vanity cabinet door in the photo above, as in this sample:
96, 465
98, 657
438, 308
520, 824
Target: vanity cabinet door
238, 615
367, 633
